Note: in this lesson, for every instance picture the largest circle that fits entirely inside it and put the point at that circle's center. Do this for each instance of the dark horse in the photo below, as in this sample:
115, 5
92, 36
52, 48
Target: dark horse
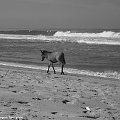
53, 57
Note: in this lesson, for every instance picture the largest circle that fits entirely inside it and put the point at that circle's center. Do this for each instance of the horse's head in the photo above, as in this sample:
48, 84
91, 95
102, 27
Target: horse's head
42, 55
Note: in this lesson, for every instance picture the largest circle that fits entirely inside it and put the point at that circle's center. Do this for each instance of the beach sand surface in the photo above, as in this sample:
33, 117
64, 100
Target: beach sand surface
29, 94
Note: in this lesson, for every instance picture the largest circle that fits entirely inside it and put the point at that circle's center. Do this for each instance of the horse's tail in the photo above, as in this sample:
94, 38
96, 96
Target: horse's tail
63, 59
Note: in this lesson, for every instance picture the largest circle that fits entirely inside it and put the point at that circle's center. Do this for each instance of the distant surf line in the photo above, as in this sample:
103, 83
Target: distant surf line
80, 38
108, 74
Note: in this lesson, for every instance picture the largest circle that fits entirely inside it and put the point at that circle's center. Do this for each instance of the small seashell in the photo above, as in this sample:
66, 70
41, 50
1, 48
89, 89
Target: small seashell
87, 108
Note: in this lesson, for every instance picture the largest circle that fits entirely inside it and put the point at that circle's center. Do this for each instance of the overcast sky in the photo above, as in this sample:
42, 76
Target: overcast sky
59, 14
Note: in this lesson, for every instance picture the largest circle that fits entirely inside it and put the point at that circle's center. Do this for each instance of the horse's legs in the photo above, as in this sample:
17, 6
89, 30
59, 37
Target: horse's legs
53, 69
62, 73
48, 67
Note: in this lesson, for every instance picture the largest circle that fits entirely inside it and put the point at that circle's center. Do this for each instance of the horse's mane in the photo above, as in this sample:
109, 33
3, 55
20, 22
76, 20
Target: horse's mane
45, 51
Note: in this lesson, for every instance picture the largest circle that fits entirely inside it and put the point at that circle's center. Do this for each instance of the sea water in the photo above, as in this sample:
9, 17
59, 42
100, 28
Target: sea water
93, 52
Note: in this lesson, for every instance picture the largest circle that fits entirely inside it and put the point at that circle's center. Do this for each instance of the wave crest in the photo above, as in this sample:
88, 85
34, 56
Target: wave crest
109, 34
106, 37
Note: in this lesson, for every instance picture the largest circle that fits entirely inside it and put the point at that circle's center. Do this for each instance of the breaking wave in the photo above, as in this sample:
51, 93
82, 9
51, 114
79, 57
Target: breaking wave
108, 34
105, 37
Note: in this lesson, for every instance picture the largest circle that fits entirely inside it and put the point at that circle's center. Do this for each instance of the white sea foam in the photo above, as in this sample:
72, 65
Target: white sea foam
108, 34
107, 74
106, 37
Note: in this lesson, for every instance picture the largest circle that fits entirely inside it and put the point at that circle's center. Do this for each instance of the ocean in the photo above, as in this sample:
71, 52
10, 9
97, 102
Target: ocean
93, 52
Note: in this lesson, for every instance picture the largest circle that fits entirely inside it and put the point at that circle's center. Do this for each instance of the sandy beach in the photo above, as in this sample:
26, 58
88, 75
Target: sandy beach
29, 94
80, 38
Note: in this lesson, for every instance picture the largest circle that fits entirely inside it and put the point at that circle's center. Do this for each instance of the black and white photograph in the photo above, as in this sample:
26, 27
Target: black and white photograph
59, 59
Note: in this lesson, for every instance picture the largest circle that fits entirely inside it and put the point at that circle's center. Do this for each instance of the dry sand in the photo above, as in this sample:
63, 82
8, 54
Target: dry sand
28, 94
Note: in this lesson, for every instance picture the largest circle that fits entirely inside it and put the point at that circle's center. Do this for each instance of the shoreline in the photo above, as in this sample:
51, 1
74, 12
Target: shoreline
108, 74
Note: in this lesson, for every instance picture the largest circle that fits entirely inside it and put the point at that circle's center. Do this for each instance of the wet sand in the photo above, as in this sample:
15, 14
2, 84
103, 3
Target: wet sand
30, 94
